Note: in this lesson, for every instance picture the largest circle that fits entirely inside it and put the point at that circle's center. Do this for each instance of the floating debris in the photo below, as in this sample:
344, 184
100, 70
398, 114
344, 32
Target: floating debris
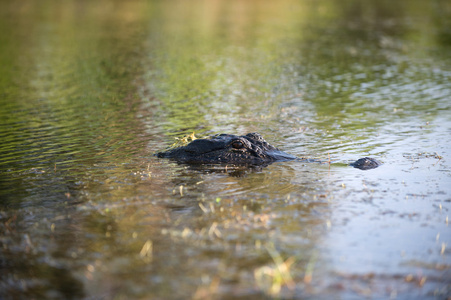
146, 251
183, 141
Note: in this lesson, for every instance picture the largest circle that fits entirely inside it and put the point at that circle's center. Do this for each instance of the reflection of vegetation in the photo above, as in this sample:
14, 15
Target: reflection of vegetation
66, 88
242, 66
203, 75
79, 67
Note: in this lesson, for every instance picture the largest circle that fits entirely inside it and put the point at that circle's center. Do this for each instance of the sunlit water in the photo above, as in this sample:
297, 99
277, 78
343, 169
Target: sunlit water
88, 93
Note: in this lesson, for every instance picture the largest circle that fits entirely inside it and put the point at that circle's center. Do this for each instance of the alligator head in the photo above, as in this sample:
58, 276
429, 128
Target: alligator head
249, 149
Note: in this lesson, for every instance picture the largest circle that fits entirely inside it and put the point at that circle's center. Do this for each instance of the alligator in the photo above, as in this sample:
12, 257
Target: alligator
249, 149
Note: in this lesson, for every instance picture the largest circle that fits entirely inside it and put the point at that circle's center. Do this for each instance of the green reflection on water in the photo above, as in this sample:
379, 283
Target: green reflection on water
68, 91
68, 77
214, 72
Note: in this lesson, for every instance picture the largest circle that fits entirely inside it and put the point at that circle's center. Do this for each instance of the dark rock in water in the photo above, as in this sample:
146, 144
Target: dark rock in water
366, 163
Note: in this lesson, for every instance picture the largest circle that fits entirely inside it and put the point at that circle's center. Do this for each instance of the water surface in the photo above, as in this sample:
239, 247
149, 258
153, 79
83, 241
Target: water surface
89, 91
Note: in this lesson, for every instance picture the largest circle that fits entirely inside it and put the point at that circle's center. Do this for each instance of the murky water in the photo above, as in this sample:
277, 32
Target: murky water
89, 91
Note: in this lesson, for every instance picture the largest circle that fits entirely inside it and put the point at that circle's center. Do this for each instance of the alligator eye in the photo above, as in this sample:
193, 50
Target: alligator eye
237, 144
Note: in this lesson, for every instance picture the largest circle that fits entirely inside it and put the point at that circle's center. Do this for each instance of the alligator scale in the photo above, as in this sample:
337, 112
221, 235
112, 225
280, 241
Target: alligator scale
249, 149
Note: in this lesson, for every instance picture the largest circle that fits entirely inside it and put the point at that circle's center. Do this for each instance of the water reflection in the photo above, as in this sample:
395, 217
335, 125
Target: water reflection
89, 91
